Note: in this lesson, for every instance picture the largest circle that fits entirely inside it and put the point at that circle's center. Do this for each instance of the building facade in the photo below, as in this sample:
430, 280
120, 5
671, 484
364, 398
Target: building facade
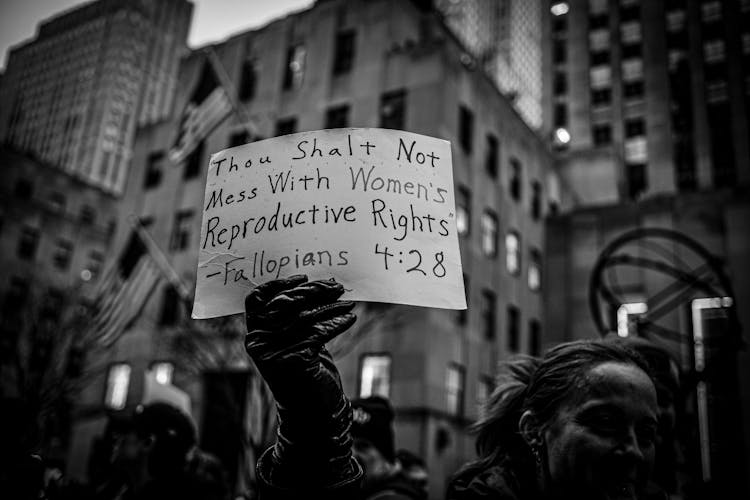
504, 37
648, 98
74, 95
649, 106
388, 64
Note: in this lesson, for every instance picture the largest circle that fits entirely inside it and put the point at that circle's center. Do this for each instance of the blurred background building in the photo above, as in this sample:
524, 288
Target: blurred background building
74, 95
648, 108
572, 124
505, 39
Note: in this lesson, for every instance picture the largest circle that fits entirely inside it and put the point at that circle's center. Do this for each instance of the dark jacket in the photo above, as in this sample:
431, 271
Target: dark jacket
494, 483
349, 488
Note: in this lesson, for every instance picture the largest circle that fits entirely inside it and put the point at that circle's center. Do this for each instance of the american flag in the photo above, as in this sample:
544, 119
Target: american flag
209, 105
123, 292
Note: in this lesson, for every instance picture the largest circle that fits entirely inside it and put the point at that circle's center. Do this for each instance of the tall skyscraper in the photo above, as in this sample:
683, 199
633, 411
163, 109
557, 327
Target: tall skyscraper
73, 96
505, 38
649, 97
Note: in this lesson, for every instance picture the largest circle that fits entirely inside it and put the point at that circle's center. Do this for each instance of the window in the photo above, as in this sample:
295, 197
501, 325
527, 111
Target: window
454, 389
676, 21
598, 21
636, 150
87, 215
632, 70
294, 71
393, 110
489, 233
286, 126
118, 380
561, 83
93, 267
636, 179
630, 32
57, 202
62, 255
599, 58
248, 80
514, 183
28, 243
535, 337
194, 161
627, 318
488, 314
598, 6
600, 77
23, 189
375, 375
493, 156
713, 51
635, 127
716, 92
154, 168
513, 252
602, 134
181, 231
711, 11
561, 114
170, 307
536, 200
535, 270
16, 296
559, 25
465, 128
337, 117
559, 52
514, 341
599, 40
601, 96
484, 391
633, 89
462, 314
343, 59
559, 9
163, 372
239, 138
463, 211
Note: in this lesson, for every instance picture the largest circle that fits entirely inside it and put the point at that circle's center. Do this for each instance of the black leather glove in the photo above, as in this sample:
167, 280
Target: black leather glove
289, 321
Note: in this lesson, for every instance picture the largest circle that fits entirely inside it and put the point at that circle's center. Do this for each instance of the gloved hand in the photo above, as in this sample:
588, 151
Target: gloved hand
289, 321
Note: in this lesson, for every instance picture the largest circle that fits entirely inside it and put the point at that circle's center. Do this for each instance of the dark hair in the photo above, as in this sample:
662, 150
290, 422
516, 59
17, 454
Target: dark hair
173, 433
542, 386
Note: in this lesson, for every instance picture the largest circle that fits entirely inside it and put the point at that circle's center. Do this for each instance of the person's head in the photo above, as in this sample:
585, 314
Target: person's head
413, 467
372, 434
159, 442
580, 422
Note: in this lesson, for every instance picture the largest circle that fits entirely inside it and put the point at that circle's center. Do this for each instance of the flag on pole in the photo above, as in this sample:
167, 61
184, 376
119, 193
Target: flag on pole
207, 108
123, 292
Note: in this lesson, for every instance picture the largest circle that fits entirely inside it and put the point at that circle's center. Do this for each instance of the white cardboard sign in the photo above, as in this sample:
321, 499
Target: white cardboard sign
372, 208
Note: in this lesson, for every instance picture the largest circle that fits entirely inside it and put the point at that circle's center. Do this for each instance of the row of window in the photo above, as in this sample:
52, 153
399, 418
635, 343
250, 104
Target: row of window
118, 382
375, 376
295, 65
29, 241
24, 190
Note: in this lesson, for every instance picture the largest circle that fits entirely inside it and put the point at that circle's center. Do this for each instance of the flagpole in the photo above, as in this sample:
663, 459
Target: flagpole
161, 260
226, 82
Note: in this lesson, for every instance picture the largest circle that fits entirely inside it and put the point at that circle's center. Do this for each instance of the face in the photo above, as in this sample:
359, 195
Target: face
601, 444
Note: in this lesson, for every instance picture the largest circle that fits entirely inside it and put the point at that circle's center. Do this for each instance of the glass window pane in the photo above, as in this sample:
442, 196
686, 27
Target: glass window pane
375, 376
118, 381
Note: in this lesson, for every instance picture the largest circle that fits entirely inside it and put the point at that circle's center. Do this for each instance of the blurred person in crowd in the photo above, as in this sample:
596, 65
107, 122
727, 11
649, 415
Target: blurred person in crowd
414, 469
156, 457
372, 433
21, 470
580, 423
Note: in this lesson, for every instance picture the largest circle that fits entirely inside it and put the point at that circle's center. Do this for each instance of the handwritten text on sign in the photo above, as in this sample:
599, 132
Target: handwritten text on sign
372, 208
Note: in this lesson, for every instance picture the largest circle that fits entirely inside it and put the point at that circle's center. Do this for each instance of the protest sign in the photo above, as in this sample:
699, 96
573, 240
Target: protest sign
372, 208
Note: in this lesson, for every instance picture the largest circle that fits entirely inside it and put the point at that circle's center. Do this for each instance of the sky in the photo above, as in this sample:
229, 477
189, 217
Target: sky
213, 20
